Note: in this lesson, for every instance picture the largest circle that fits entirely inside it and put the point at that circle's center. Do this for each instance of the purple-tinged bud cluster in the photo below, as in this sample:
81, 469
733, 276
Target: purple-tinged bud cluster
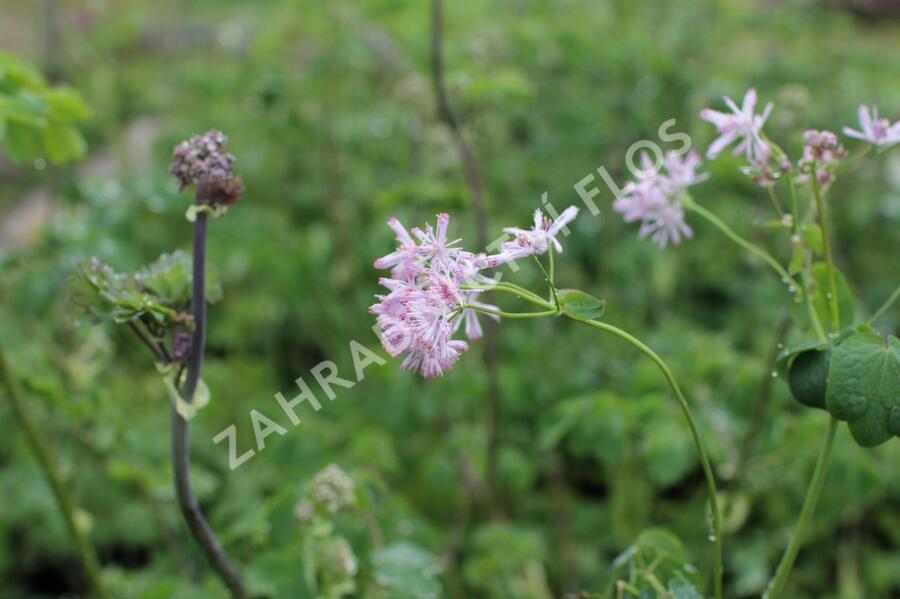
821, 151
181, 345
202, 162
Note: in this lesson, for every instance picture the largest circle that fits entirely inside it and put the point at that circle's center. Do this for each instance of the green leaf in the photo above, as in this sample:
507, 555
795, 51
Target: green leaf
63, 143
808, 377
185, 409
66, 106
798, 259
16, 74
812, 234
407, 571
580, 304
784, 358
26, 108
821, 296
682, 589
660, 547
864, 387
22, 142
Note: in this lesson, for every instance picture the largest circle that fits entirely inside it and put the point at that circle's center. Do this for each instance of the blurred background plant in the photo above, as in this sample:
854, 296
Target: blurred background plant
330, 109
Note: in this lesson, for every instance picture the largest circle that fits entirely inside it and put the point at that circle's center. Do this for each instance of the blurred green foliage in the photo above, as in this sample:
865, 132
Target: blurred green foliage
330, 113
38, 121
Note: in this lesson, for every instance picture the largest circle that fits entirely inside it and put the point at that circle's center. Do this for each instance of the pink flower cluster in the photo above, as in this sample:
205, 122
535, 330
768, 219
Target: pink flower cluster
655, 198
427, 302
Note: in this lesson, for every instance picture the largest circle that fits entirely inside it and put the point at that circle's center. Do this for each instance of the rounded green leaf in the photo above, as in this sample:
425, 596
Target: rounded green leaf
864, 386
580, 304
808, 377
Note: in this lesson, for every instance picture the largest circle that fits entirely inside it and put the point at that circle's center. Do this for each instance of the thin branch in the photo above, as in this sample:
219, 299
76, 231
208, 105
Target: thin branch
187, 501
885, 306
473, 180
154, 348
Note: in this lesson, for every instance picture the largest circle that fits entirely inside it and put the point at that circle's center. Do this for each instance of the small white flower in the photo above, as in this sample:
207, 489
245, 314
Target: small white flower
879, 132
543, 234
741, 125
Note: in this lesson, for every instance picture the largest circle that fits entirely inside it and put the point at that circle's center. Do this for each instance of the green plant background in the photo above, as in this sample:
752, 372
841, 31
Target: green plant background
330, 112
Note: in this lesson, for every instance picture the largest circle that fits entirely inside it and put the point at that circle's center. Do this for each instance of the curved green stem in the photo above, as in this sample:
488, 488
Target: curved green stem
514, 289
690, 204
829, 262
851, 163
776, 585
885, 306
695, 433
510, 314
549, 278
47, 462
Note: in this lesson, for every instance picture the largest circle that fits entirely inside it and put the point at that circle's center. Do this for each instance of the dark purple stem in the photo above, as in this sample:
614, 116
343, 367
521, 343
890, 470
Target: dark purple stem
180, 428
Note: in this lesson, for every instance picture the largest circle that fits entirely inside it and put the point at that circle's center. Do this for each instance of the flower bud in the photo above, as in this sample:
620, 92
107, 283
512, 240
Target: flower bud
203, 163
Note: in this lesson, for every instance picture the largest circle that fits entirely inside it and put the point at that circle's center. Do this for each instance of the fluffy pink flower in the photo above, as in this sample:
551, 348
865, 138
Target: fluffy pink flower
405, 259
655, 199
681, 173
435, 248
666, 226
426, 303
740, 125
640, 200
879, 132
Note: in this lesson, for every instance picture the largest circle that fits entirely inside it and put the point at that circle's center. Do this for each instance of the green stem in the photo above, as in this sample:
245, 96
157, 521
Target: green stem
695, 433
552, 274
549, 278
511, 314
851, 163
832, 282
514, 289
807, 297
775, 201
47, 462
750, 247
885, 306
776, 585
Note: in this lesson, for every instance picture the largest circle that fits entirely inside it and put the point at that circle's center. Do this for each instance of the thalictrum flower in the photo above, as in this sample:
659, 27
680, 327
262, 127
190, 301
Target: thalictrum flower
666, 226
539, 238
877, 131
656, 198
405, 259
426, 302
741, 125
